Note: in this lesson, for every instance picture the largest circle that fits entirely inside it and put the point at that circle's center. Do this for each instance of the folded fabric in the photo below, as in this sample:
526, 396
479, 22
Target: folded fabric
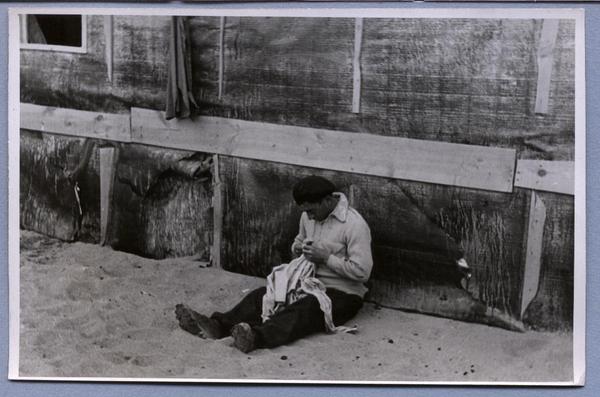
292, 281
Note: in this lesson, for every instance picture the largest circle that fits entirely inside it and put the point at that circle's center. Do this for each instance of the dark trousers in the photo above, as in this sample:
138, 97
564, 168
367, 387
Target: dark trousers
301, 318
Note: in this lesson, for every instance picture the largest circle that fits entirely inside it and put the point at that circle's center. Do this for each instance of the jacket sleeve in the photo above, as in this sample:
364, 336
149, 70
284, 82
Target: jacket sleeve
299, 240
359, 262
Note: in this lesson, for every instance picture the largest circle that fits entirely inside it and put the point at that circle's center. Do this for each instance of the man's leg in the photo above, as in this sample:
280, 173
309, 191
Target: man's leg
304, 317
248, 310
343, 306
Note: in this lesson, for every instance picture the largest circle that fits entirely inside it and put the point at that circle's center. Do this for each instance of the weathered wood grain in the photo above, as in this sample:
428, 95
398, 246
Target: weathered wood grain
72, 80
462, 81
356, 81
108, 165
549, 176
545, 62
221, 57
217, 207
440, 300
401, 158
47, 199
552, 307
108, 46
418, 232
533, 251
80, 123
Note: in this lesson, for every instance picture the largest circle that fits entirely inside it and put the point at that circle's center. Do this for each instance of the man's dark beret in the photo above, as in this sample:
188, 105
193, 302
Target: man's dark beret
312, 189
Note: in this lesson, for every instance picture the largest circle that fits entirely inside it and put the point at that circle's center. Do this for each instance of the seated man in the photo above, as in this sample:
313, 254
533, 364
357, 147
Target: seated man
337, 240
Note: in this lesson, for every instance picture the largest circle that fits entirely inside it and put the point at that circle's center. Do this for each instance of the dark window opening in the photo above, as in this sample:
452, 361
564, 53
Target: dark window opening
64, 30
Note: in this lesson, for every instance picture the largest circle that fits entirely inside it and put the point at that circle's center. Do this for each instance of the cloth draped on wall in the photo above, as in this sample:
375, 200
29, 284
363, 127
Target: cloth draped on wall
180, 100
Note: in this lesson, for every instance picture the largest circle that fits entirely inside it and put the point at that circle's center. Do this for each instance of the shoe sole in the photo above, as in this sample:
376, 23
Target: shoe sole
243, 337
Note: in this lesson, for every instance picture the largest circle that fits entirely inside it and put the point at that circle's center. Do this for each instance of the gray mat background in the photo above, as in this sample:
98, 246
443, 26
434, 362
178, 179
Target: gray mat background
592, 388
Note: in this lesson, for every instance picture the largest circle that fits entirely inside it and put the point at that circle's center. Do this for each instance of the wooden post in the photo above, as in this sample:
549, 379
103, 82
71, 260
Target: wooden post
545, 61
108, 45
358, 29
108, 166
217, 213
221, 55
351, 194
533, 255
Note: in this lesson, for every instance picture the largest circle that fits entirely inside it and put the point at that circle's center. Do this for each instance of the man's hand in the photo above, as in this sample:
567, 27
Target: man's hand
297, 249
315, 253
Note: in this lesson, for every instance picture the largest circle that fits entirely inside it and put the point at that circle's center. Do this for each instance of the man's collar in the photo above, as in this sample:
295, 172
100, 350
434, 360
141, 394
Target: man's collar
341, 209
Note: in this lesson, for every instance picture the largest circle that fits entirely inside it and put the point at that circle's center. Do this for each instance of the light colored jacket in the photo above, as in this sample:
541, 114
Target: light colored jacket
347, 237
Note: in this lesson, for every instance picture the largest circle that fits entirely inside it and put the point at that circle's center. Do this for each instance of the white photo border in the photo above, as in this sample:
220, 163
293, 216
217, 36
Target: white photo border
577, 14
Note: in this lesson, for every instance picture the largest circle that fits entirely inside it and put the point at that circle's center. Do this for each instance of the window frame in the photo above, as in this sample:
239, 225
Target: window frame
53, 47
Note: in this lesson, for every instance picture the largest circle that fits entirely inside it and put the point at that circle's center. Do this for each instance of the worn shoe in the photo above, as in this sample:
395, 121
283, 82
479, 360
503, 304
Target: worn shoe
197, 324
244, 338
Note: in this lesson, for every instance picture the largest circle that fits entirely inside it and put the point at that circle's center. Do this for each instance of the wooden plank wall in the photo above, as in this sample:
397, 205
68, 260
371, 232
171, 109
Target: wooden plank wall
78, 81
47, 200
482, 92
448, 80
414, 227
148, 195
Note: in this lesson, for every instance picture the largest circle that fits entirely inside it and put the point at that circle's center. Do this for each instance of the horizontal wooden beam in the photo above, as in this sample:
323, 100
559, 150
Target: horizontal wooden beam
549, 176
109, 126
471, 166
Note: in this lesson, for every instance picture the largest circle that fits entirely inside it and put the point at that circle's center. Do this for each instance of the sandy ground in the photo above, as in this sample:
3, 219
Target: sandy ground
90, 311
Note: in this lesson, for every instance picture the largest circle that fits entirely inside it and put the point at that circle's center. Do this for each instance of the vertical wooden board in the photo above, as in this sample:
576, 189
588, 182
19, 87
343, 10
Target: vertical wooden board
552, 307
217, 206
221, 55
533, 251
356, 81
108, 45
108, 158
545, 62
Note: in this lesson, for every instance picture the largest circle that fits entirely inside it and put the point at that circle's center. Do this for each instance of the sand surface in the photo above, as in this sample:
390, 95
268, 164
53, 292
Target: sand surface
89, 311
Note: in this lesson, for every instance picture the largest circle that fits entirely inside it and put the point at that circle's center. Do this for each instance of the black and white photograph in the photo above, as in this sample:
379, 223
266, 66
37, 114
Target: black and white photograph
362, 196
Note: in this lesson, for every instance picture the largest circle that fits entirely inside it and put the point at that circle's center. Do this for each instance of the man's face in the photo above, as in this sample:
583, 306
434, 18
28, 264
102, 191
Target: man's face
318, 211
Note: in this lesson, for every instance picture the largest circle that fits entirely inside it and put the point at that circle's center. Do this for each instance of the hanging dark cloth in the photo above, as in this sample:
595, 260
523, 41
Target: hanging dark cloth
180, 100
